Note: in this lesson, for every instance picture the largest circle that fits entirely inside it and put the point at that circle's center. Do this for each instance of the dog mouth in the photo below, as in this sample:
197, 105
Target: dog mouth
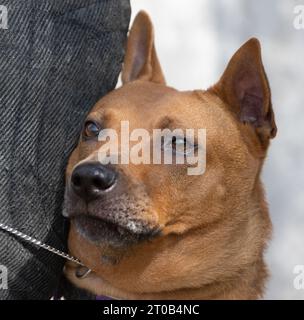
102, 231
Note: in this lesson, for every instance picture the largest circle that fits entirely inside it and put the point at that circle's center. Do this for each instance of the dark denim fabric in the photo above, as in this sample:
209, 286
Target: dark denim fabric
57, 57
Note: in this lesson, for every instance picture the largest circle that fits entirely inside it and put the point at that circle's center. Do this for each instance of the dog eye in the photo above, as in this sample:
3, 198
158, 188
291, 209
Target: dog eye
91, 129
179, 145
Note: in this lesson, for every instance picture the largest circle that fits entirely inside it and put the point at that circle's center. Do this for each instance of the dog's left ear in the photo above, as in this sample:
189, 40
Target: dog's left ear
141, 62
244, 87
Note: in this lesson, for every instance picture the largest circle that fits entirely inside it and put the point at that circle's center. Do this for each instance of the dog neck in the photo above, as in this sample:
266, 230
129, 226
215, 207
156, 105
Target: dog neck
249, 284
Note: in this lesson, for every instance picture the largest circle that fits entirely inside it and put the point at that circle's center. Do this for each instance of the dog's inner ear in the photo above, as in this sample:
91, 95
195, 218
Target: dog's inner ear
141, 62
244, 87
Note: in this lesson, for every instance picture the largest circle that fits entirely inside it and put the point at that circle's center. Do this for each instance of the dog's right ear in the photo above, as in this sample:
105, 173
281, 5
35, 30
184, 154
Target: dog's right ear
141, 62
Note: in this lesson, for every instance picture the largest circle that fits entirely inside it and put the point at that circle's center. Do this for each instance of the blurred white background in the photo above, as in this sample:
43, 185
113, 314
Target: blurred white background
195, 39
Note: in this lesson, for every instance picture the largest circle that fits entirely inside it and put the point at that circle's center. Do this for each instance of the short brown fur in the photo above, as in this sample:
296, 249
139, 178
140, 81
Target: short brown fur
214, 227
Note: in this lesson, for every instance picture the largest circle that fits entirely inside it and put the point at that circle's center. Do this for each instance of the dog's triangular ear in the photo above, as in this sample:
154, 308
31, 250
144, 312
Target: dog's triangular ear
244, 87
141, 62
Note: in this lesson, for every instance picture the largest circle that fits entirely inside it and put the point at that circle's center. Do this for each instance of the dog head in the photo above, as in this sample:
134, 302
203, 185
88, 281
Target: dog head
148, 228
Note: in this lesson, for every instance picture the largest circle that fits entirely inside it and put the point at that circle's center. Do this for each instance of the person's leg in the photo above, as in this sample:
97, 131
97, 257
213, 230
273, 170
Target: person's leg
57, 57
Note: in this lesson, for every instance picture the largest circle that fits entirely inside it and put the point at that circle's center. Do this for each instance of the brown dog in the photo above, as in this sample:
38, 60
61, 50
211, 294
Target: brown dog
152, 231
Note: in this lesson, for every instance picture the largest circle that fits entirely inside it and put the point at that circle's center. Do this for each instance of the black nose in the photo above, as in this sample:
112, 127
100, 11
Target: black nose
89, 180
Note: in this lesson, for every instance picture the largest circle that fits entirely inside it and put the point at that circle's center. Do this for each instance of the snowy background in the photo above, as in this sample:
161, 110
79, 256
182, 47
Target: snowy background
195, 39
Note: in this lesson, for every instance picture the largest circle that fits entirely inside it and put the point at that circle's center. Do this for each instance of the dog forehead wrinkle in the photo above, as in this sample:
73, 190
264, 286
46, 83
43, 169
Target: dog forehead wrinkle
168, 122
127, 95
147, 104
